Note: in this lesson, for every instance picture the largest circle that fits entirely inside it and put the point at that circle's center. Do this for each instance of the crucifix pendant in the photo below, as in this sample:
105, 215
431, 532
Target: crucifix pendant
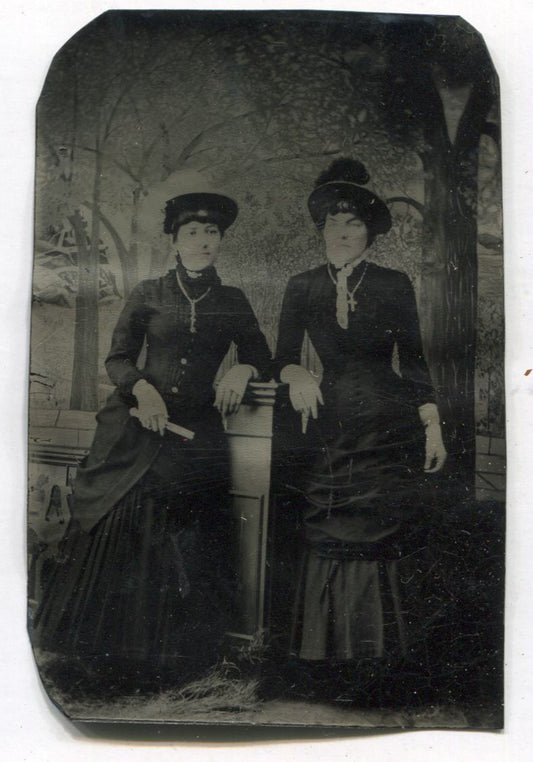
351, 302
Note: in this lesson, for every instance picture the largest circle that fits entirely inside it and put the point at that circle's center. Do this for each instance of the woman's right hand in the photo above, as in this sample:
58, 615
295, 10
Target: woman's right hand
304, 392
151, 409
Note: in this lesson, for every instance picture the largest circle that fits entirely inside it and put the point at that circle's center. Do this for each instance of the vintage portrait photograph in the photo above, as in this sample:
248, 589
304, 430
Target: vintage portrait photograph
266, 449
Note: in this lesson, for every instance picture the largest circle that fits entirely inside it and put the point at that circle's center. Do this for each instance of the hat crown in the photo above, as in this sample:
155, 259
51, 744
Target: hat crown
194, 193
186, 181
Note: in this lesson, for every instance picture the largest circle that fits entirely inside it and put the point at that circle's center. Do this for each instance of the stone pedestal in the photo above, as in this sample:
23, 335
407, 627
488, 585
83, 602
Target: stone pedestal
59, 439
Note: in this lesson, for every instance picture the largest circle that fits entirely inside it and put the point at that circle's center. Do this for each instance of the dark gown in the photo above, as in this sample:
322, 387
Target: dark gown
146, 579
364, 456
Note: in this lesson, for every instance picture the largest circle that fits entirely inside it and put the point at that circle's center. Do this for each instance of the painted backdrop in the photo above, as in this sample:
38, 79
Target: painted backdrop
261, 103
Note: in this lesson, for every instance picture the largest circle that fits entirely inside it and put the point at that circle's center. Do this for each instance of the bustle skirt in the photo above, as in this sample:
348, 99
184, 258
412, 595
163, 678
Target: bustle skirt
152, 583
361, 494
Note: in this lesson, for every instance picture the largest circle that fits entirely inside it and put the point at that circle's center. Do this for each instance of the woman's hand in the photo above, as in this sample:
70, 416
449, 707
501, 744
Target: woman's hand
304, 392
231, 388
151, 409
435, 451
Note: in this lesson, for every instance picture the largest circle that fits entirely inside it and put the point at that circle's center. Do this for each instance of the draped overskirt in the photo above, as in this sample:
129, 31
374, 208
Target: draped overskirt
363, 492
153, 582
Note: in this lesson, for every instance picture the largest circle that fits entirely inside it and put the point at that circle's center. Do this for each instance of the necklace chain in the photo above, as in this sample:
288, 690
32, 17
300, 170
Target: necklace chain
192, 302
350, 294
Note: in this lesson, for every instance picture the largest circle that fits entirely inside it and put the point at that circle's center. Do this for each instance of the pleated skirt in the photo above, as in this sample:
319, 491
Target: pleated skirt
348, 610
152, 584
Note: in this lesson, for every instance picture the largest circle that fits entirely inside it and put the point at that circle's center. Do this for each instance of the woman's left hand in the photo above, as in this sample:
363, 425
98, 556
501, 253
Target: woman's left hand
435, 451
231, 388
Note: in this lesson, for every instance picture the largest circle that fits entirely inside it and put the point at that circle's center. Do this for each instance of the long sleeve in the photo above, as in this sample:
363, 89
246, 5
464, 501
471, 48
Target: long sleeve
126, 343
252, 348
291, 325
413, 367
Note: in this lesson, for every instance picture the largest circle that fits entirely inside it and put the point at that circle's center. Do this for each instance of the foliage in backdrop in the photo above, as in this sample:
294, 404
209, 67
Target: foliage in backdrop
261, 104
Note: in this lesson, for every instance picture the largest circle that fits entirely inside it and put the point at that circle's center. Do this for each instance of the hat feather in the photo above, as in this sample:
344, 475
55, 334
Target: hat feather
344, 170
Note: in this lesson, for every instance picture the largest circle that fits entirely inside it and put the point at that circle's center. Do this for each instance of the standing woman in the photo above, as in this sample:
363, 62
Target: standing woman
371, 431
145, 589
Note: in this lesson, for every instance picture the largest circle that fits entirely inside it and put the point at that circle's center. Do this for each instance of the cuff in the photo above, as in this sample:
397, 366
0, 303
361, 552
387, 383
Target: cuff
254, 373
129, 379
429, 414
290, 373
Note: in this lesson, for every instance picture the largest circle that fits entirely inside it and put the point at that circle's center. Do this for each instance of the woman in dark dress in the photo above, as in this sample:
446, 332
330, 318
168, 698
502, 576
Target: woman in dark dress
371, 430
147, 582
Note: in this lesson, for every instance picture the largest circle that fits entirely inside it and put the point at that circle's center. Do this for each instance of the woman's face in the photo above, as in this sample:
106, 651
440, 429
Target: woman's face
198, 244
346, 238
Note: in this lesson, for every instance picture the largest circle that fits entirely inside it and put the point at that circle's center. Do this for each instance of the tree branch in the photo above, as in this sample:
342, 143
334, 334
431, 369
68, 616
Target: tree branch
122, 251
329, 152
188, 150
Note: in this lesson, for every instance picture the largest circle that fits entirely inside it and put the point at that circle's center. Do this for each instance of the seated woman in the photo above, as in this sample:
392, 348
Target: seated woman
145, 590
370, 430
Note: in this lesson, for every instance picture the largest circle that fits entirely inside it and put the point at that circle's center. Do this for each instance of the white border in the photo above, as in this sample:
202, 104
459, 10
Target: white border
31, 32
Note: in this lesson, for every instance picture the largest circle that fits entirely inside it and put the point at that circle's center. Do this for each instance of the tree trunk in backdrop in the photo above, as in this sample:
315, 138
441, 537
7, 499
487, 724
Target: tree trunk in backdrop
133, 259
448, 304
84, 393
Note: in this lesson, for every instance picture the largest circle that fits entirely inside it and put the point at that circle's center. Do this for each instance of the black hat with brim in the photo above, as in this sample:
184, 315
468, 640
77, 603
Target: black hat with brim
374, 211
226, 208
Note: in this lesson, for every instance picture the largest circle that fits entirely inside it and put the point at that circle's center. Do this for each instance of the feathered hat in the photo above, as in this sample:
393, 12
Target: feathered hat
342, 182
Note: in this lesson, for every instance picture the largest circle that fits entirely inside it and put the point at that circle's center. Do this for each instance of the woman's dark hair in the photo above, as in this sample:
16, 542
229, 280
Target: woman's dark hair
201, 216
361, 211
191, 212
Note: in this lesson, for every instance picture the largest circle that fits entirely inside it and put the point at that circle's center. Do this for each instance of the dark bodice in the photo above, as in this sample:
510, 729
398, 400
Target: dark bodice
182, 364
385, 317
364, 453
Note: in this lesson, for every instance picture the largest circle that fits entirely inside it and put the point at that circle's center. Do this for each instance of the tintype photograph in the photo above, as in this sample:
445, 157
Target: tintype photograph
266, 409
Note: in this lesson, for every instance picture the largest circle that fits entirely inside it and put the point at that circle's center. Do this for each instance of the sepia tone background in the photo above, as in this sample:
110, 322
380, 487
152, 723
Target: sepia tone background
28, 720
262, 104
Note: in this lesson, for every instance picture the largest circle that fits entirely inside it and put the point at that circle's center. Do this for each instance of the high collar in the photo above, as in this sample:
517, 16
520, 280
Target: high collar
207, 278
355, 274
